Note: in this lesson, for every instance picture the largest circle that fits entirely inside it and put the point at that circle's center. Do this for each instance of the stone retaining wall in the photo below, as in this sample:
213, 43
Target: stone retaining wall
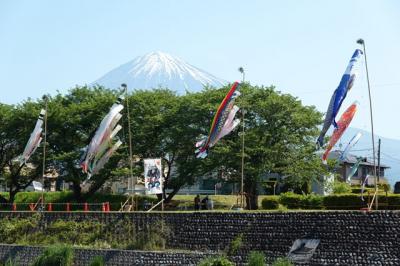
24, 255
346, 237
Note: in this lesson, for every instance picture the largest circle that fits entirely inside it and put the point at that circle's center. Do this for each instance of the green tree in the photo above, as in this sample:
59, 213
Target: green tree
16, 125
279, 138
165, 126
72, 121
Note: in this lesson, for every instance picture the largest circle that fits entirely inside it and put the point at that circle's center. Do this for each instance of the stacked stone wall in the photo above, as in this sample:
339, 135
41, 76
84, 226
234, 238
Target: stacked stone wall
346, 237
26, 255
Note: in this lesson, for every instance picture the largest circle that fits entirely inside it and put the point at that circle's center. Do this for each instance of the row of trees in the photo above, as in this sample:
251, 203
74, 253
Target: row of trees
279, 137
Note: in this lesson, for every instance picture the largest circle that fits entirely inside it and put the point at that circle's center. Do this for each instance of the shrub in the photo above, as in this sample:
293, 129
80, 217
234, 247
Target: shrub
14, 229
270, 203
56, 256
290, 200
121, 234
312, 201
235, 245
296, 201
256, 258
97, 261
32, 197
282, 208
392, 201
339, 187
357, 189
282, 262
11, 262
216, 261
344, 201
71, 232
152, 237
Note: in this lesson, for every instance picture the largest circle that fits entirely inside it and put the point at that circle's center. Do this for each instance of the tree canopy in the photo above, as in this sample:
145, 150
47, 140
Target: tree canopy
279, 136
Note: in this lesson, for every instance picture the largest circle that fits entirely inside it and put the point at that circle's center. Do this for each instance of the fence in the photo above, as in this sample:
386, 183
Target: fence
48, 206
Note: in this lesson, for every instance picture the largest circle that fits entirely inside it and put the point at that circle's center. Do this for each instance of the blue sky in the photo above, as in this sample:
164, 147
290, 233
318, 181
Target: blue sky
302, 47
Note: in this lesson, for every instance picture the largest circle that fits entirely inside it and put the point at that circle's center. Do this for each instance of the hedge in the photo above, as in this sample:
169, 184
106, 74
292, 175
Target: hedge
331, 202
270, 203
344, 201
354, 201
297, 201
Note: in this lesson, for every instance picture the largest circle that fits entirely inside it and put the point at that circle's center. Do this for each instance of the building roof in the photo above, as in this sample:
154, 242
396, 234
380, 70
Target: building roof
352, 159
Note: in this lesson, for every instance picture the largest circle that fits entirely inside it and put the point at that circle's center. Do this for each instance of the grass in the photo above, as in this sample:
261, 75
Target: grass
180, 203
221, 202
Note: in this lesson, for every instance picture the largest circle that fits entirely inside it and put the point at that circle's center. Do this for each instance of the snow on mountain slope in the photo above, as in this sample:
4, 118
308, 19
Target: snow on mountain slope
158, 69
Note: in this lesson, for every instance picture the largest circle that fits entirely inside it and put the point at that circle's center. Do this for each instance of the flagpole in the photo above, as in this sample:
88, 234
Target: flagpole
130, 140
241, 70
44, 151
362, 42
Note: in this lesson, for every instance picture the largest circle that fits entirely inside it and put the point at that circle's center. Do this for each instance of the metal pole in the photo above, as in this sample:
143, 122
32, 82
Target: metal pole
130, 181
242, 181
241, 70
44, 151
379, 160
162, 202
361, 41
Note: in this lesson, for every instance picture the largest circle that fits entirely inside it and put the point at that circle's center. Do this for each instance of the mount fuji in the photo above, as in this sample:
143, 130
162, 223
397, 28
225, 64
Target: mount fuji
158, 69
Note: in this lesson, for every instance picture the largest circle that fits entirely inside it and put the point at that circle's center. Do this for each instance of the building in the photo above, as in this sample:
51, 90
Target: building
365, 169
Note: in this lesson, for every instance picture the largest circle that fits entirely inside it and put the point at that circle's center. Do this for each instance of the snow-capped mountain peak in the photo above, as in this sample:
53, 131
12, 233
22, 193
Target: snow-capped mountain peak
158, 69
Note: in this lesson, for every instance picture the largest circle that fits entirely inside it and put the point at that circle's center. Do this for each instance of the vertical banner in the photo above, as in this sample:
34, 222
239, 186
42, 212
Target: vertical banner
152, 176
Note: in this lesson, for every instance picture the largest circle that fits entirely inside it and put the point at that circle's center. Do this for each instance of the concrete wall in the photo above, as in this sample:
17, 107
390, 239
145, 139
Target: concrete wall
346, 237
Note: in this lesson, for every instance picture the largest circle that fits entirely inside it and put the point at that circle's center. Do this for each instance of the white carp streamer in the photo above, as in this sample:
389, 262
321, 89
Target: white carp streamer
101, 147
34, 140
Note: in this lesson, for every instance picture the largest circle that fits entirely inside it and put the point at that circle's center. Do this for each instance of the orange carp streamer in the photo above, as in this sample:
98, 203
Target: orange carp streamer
343, 124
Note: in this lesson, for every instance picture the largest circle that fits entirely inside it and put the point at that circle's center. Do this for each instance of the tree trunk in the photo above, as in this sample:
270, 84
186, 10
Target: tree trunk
76, 188
93, 189
251, 194
172, 194
166, 179
12, 195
